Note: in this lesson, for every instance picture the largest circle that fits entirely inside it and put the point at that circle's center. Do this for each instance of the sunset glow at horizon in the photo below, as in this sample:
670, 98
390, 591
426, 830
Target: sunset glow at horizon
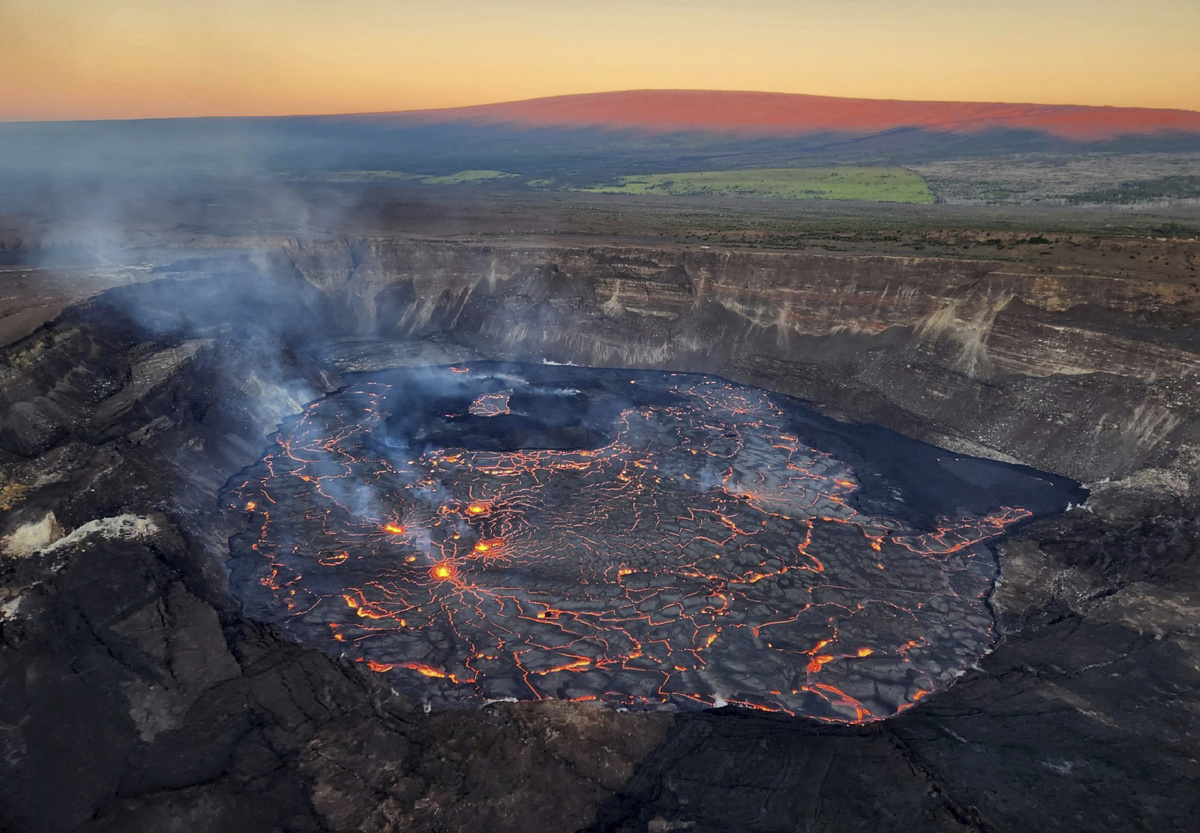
71, 59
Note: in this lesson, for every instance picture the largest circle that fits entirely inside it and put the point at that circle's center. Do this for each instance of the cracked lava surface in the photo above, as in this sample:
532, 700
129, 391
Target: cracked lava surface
645, 539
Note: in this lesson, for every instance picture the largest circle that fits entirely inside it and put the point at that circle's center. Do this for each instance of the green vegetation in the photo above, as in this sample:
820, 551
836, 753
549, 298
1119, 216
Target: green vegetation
844, 183
465, 178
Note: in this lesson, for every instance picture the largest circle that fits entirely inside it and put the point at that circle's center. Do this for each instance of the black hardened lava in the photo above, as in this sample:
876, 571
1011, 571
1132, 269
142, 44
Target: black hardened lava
498, 531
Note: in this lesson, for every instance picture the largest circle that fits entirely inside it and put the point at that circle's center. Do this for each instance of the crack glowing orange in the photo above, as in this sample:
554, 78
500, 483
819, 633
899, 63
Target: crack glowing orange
581, 573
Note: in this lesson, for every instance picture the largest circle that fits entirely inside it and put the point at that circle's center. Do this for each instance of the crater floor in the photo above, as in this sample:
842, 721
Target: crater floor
498, 531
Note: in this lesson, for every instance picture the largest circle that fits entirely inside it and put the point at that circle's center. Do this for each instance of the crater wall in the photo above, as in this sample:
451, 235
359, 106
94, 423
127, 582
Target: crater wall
1088, 374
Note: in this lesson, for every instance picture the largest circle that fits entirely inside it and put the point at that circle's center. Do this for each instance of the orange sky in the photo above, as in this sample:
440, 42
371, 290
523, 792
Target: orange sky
147, 58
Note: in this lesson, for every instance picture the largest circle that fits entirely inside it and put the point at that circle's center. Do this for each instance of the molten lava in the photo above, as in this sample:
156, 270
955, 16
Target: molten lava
702, 554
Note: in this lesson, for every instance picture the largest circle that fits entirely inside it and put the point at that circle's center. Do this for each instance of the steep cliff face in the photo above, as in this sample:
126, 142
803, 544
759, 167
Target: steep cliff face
1090, 374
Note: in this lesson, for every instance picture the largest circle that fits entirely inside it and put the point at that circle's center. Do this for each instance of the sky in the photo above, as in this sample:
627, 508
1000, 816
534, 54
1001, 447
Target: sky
87, 59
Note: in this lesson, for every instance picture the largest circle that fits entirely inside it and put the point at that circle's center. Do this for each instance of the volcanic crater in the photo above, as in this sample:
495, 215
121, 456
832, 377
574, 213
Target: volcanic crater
163, 658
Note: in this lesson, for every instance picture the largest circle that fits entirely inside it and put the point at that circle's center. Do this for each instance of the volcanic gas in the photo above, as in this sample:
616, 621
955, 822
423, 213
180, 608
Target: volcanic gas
647, 539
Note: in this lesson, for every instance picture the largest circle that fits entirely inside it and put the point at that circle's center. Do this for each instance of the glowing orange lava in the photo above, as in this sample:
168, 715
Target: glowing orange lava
703, 554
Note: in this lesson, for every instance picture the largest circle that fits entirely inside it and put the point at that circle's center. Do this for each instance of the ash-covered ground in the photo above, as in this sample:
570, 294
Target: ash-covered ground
496, 531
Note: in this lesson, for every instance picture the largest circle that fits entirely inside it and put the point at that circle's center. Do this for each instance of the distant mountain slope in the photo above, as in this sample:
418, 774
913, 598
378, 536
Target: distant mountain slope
787, 114
633, 140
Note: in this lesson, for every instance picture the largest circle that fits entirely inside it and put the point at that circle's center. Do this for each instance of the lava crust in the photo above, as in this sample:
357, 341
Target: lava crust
640, 538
